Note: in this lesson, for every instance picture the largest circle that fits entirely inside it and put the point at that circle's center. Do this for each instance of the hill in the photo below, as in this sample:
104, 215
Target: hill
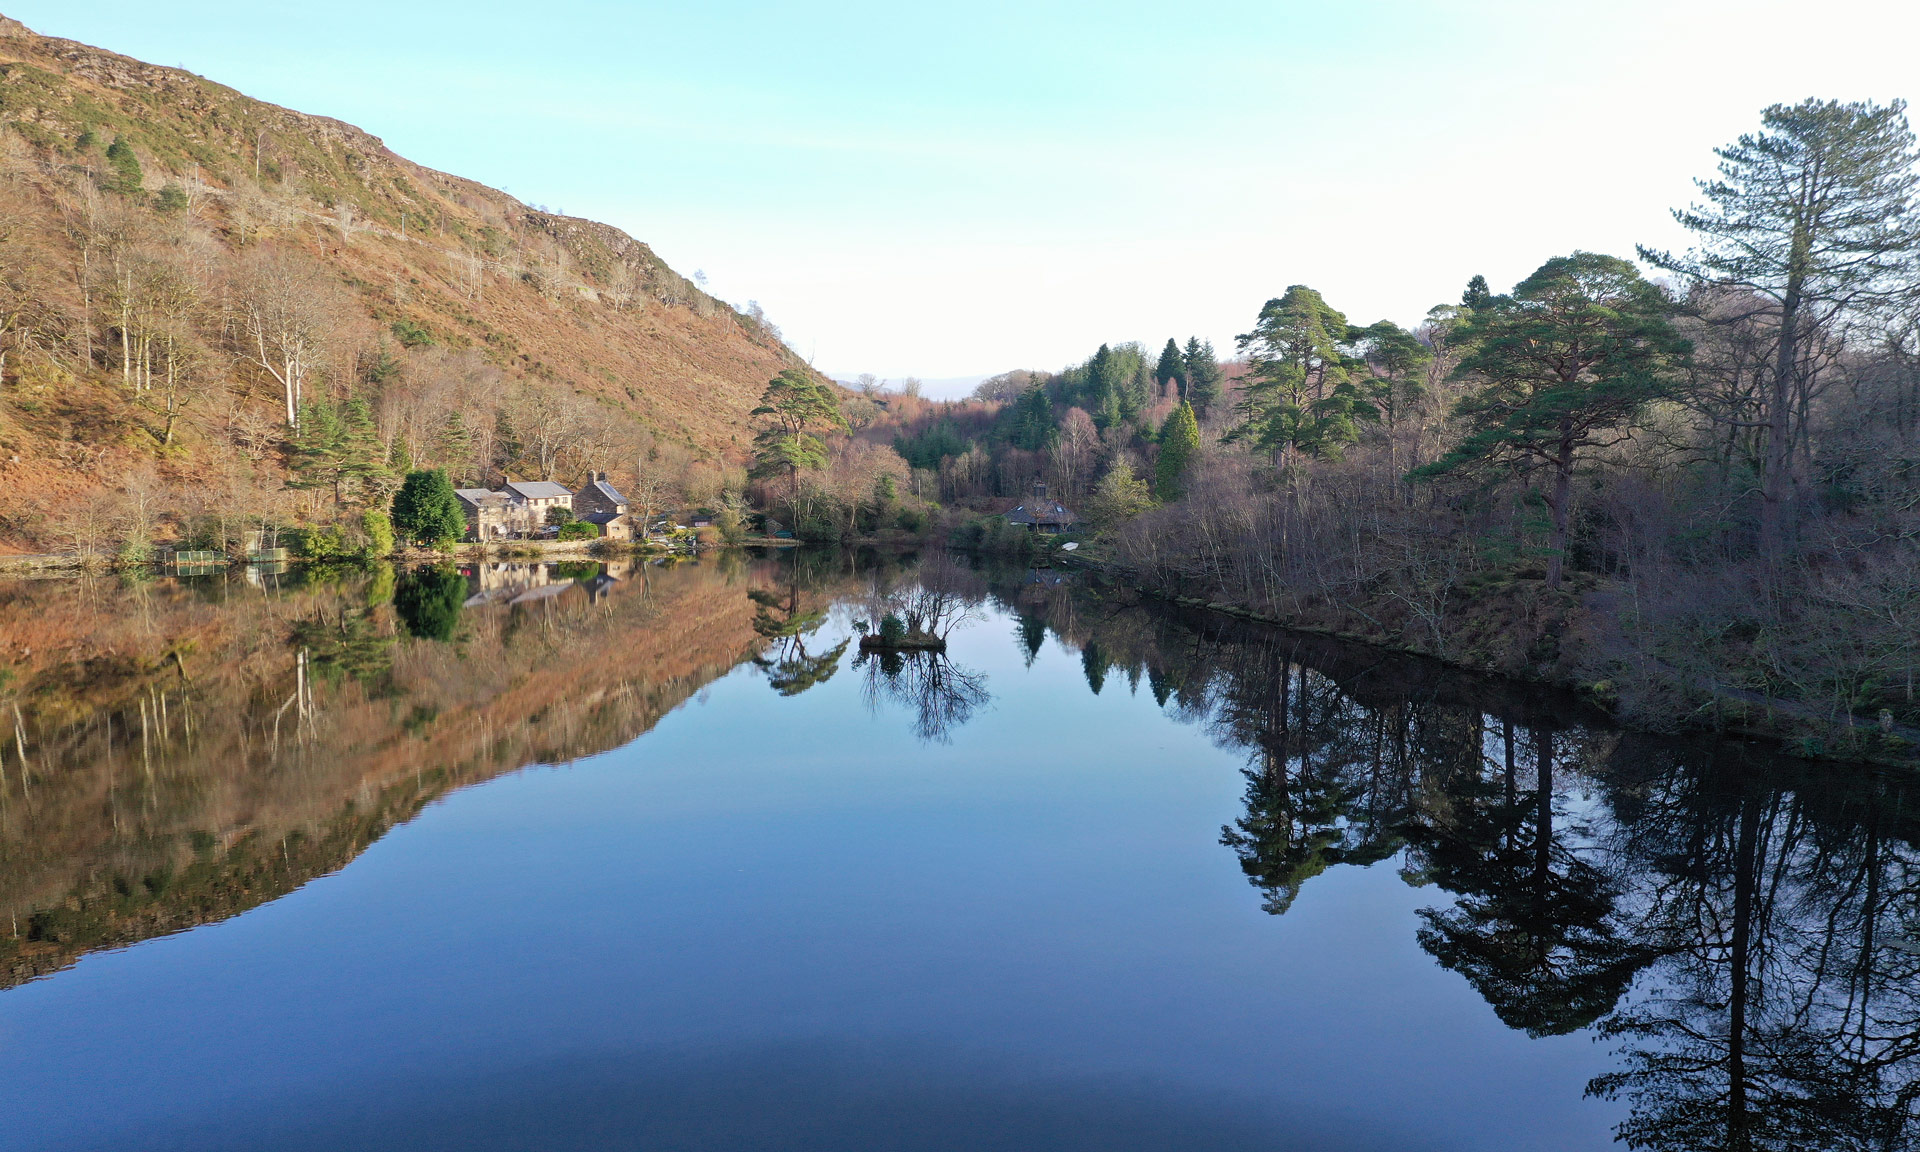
184, 271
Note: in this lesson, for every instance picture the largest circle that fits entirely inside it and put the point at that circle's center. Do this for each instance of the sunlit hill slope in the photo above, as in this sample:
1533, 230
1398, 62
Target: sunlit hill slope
171, 252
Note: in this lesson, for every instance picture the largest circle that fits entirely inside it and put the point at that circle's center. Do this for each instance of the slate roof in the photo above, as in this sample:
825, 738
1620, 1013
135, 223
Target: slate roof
599, 517
480, 497
1041, 510
608, 491
536, 489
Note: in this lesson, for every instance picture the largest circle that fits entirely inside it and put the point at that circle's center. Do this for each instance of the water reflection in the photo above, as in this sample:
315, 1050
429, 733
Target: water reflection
180, 750
1744, 931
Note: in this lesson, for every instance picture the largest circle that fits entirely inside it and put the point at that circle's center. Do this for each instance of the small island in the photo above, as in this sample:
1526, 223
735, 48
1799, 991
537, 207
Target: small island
894, 635
918, 620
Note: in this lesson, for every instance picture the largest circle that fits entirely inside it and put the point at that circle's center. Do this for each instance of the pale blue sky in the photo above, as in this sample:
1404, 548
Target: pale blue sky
956, 190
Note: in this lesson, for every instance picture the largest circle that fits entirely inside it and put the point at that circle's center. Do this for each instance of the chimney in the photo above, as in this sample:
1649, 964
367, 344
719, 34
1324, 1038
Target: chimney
1039, 490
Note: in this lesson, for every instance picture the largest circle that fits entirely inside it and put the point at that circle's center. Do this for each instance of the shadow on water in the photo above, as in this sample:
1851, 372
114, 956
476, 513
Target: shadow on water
800, 1097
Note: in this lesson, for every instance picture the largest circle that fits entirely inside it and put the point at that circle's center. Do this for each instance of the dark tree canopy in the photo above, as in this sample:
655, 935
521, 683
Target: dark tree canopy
426, 511
1172, 368
1558, 368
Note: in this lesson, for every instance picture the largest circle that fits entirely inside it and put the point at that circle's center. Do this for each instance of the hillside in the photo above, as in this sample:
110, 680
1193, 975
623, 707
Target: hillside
178, 260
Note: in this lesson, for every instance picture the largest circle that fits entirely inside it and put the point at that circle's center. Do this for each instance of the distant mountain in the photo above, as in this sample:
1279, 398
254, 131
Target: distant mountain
160, 233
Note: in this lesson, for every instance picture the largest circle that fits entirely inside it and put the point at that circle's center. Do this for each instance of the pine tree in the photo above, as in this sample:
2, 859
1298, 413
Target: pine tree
791, 407
1171, 369
1179, 446
1563, 364
1203, 375
1300, 395
1815, 214
1477, 295
1396, 361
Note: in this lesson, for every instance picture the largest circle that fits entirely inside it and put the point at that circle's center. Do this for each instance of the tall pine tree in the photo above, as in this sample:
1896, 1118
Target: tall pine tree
1171, 369
1203, 375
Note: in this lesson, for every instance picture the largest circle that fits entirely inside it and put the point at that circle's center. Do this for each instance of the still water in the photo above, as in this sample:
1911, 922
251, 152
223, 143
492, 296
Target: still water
653, 857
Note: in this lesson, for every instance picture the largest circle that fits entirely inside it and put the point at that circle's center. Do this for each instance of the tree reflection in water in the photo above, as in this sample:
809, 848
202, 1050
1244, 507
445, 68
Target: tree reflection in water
941, 694
780, 619
1745, 929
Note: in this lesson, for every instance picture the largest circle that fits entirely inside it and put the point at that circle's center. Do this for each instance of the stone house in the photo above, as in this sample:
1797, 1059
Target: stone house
535, 498
490, 515
601, 504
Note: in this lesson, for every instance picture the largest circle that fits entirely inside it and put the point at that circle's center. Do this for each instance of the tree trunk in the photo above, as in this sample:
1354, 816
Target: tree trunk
1774, 525
1745, 855
1560, 506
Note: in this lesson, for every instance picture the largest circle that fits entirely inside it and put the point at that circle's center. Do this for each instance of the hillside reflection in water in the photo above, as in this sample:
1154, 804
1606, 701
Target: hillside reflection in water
982, 899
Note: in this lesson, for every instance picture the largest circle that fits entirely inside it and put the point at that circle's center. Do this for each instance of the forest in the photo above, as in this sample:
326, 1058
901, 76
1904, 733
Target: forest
1693, 490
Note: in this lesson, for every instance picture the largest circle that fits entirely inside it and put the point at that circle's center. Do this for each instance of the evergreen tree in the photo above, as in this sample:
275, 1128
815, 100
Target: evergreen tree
1179, 446
793, 404
1104, 387
337, 448
1033, 419
453, 446
1477, 295
127, 177
1300, 394
1577, 350
1203, 375
1396, 361
1815, 215
1171, 369
426, 511
1137, 391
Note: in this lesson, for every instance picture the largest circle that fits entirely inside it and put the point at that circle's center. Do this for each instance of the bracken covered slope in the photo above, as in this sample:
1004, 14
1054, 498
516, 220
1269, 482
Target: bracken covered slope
139, 208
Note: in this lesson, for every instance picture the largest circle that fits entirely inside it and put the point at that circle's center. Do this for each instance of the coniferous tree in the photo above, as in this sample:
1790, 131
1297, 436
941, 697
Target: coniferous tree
1562, 364
337, 447
1477, 294
1396, 361
1171, 369
1203, 375
1033, 426
1104, 386
453, 446
1815, 215
791, 407
1179, 447
1300, 394
426, 511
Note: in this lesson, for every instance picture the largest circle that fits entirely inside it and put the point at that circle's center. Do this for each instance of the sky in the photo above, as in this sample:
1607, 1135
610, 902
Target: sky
950, 191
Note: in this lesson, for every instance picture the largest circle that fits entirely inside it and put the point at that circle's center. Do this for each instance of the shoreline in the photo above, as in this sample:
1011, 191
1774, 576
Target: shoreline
1902, 751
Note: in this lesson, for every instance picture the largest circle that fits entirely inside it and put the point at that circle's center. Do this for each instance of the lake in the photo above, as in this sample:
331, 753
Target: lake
654, 856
